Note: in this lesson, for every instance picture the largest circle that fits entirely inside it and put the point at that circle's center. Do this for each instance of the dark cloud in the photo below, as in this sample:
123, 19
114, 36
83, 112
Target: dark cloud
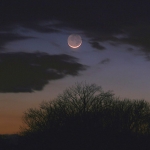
105, 61
147, 56
26, 72
97, 45
138, 36
9, 37
96, 37
130, 49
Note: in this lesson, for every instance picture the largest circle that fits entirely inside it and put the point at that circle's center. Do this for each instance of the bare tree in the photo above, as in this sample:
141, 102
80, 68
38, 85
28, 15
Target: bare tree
79, 99
84, 112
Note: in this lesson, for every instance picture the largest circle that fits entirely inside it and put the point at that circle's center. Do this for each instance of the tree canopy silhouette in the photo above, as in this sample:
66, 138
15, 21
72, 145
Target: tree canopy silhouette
86, 117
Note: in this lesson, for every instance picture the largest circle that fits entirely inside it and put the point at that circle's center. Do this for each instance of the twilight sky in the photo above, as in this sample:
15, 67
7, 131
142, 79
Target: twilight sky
36, 63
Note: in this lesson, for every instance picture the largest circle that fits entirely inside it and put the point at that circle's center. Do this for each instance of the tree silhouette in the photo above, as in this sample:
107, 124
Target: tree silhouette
86, 117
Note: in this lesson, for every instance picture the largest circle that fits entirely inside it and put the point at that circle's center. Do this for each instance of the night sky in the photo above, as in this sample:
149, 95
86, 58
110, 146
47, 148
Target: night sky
36, 63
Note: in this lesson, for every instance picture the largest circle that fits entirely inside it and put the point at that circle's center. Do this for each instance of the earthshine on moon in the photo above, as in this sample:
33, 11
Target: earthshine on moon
74, 41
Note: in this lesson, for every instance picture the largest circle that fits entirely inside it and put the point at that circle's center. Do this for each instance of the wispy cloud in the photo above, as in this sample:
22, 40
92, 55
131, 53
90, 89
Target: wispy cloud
97, 45
9, 37
105, 61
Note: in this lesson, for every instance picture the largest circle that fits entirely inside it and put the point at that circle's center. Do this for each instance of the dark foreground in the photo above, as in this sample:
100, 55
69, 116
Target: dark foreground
76, 141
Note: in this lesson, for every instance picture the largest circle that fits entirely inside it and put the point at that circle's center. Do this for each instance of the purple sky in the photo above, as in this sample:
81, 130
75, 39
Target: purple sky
37, 64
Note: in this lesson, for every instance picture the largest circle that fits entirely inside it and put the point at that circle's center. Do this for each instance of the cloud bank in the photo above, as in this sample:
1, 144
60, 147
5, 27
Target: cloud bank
27, 72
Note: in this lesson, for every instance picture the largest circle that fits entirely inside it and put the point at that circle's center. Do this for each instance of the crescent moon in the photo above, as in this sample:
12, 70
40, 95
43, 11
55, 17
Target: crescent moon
74, 40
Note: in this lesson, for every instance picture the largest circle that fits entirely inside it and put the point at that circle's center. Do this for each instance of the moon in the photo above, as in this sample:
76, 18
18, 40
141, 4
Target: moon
74, 40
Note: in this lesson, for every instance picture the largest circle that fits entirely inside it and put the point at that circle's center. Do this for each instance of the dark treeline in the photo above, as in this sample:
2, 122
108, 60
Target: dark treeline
84, 117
